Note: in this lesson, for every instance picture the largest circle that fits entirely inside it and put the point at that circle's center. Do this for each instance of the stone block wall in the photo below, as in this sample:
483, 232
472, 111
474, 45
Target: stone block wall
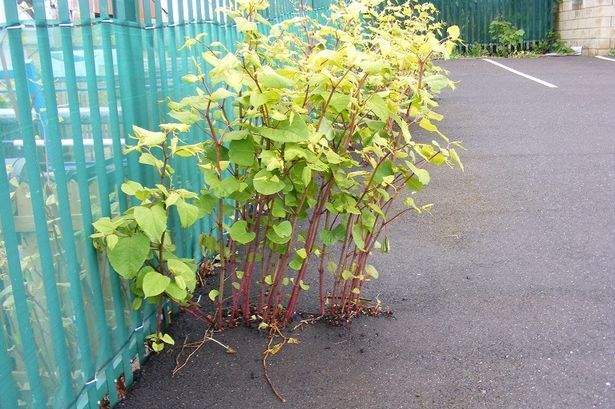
587, 23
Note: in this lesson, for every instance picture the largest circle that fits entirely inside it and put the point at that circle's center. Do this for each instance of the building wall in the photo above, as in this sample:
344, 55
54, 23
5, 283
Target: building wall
587, 23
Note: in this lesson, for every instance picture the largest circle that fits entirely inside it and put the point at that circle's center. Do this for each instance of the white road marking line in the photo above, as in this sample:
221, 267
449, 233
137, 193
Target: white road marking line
605, 58
529, 77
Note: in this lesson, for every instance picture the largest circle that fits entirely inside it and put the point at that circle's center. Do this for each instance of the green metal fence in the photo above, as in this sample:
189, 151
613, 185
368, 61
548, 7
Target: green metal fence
74, 78
535, 17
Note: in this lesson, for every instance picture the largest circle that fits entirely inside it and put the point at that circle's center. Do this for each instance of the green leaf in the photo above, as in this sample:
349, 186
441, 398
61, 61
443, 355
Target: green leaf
111, 240
167, 339
306, 176
129, 254
105, 225
357, 236
152, 220
178, 267
177, 293
371, 271
455, 157
385, 169
266, 183
386, 246
154, 283
175, 127
436, 83
421, 174
277, 209
413, 184
136, 303
131, 187
339, 102
221, 93
181, 282
148, 138
235, 135
303, 285
410, 203
221, 188
280, 233
283, 229
330, 237
378, 106
147, 158
286, 131
275, 238
242, 152
188, 213
302, 253
213, 294
296, 263
453, 32
268, 279
206, 203
271, 79
428, 125
185, 117
244, 25
190, 78
239, 232
346, 275
157, 346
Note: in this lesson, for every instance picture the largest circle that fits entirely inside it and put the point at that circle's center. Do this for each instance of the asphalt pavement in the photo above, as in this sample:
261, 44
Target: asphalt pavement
504, 297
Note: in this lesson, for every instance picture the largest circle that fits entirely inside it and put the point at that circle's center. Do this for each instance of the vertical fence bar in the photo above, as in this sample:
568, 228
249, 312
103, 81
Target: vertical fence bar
112, 98
152, 95
65, 391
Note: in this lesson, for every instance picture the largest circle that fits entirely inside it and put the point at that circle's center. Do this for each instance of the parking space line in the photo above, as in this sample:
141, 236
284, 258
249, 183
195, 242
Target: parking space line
529, 77
605, 58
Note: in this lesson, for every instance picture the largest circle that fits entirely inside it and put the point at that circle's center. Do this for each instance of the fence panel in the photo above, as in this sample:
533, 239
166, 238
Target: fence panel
473, 17
75, 75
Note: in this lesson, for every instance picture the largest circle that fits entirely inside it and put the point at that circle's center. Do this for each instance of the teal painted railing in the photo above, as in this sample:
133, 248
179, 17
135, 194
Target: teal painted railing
73, 80
535, 17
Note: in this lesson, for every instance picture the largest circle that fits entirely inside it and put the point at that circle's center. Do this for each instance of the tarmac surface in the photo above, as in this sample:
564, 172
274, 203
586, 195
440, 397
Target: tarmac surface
503, 298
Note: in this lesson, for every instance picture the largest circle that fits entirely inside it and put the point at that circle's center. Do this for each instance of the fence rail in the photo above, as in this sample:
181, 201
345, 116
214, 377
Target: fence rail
73, 79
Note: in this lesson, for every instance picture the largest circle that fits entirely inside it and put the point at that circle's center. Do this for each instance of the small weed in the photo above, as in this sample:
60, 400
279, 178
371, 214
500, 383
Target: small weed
506, 35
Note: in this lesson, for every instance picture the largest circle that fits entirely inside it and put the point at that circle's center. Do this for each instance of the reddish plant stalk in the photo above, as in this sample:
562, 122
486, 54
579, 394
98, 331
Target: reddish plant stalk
309, 244
249, 267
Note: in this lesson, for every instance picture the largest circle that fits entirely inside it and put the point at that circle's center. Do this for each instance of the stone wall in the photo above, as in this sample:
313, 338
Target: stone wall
587, 23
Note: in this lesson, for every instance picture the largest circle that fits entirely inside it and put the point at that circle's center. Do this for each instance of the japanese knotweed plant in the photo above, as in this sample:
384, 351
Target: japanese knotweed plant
305, 146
